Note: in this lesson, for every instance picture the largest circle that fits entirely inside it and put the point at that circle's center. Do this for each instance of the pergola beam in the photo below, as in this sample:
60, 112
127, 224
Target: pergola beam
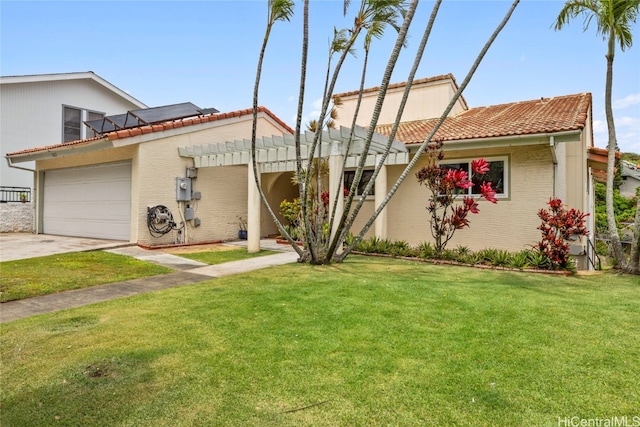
277, 153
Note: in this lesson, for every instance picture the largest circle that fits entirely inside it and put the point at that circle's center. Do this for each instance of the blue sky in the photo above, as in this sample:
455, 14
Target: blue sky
206, 52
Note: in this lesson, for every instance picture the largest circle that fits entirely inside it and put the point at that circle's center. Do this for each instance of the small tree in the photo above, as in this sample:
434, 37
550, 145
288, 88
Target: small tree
445, 185
559, 226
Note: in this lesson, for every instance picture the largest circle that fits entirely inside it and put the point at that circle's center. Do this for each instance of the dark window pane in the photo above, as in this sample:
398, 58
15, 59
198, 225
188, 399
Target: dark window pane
458, 166
495, 176
462, 166
71, 124
366, 177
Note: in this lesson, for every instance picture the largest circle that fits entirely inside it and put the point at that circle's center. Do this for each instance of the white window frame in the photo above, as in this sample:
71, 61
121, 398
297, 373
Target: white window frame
506, 172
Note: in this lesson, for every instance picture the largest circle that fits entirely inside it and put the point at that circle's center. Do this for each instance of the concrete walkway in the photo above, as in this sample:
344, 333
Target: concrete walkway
188, 272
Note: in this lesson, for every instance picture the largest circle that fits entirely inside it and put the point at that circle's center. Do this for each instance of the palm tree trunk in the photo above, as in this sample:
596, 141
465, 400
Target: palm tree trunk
254, 127
616, 246
634, 262
393, 59
346, 225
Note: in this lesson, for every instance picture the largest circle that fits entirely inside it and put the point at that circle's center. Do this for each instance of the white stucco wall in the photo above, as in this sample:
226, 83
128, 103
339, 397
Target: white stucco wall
425, 101
510, 224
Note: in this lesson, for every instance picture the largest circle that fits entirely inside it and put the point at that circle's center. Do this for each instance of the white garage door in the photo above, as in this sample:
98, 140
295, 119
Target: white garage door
92, 201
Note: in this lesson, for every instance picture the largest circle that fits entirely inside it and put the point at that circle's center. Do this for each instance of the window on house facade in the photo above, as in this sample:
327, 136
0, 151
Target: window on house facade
497, 175
73, 126
349, 176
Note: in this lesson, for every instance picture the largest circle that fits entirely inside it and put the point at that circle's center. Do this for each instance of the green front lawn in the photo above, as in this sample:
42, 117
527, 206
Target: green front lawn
220, 256
56, 273
370, 342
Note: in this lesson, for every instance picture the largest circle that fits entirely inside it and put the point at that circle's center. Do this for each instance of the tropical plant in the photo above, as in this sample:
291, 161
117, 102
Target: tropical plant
559, 226
539, 260
446, 187
426, 250
614, 20
519, 260
371, 17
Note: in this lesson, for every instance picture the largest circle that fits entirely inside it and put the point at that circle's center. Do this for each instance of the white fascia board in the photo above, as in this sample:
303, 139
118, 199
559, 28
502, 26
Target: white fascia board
498, 142
61, 151
37, 78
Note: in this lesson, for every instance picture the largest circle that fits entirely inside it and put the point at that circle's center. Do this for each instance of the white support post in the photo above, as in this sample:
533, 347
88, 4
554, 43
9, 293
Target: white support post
335, 183
380, 225
254, 207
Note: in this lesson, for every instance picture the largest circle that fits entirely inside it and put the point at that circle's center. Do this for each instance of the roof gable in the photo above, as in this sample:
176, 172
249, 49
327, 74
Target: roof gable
85, 75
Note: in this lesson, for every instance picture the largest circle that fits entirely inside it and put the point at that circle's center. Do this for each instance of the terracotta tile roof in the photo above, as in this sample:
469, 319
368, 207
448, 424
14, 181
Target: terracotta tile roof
546, 115
126, 133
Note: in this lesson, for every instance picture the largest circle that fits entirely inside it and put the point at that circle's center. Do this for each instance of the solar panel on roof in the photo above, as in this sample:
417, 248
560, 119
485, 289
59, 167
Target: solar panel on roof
207, 111
166, 113
148, 116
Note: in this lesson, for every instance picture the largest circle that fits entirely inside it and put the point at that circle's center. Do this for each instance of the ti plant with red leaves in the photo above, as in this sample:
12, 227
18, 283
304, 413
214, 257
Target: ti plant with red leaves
445, 185
559, 226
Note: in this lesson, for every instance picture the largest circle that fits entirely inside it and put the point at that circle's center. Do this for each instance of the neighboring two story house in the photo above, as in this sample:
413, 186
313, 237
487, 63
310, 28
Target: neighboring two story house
47, 108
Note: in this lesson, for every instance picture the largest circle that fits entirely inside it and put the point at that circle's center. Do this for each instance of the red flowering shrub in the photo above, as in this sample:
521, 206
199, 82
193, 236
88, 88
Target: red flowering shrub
559, 225
445, 184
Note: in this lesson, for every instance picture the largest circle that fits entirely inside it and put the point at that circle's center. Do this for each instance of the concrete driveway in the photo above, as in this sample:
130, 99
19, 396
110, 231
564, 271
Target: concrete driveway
15, 246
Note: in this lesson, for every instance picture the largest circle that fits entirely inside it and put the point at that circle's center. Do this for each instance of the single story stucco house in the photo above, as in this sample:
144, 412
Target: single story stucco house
124, 182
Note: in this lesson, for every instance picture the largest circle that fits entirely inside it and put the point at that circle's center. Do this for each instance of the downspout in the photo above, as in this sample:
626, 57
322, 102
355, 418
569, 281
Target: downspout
554, 157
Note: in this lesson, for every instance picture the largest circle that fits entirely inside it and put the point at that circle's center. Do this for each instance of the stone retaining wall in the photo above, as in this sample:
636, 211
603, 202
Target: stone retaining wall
16, 218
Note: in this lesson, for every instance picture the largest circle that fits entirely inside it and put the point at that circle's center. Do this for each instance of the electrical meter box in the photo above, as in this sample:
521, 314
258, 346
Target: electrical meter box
189, 214
183, 189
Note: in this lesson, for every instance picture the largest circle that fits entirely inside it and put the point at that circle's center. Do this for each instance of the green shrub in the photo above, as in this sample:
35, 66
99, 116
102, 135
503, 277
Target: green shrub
448, 255
539, 260
501, 258
471, 258
426, 250
374, 245
400, 248
486, 256
519, 259
463, 250
602, 249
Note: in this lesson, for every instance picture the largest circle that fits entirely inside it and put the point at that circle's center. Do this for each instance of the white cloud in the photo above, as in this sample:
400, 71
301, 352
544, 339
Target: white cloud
626, 121
627, 133
627, 101
317, 104
599, 126
629, 142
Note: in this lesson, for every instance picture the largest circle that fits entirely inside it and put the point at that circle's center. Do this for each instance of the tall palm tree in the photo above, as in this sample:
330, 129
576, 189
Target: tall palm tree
614, 19
277, 10
371, 17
